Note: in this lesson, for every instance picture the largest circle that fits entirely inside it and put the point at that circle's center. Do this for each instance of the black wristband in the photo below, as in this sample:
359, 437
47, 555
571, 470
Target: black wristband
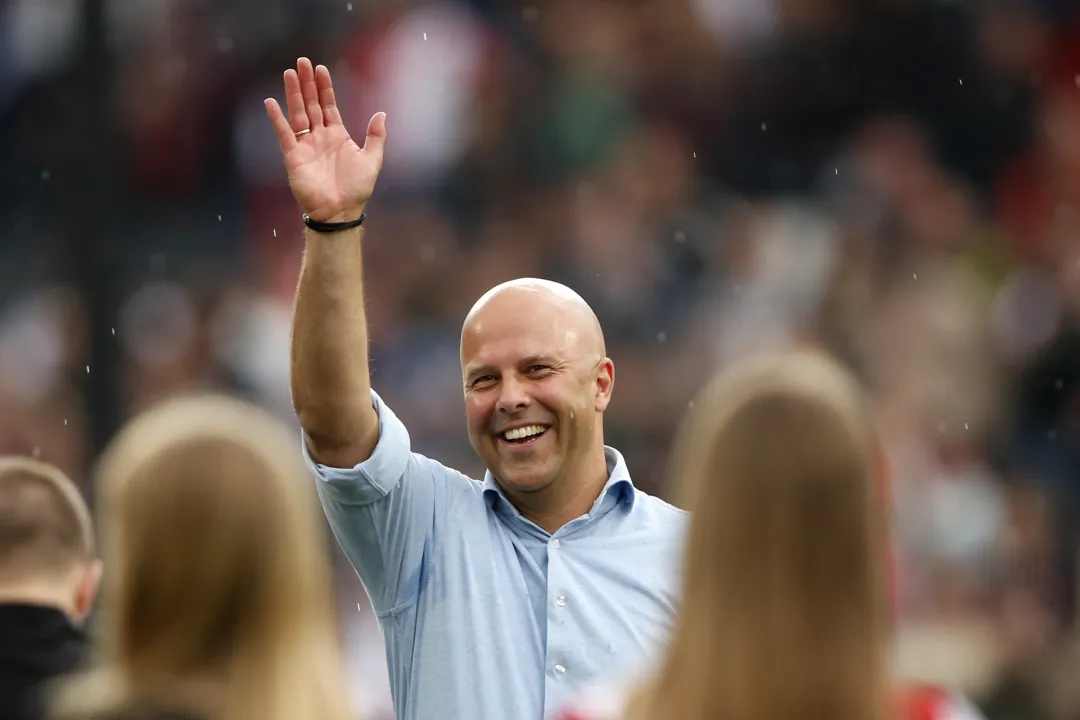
324, 227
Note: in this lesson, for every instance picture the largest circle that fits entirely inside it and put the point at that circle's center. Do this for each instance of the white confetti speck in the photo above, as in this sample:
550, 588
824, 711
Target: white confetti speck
661, 337
695, 154
763, 127
349, 8
219, 218
65, 422
965, 426
571, 415
425, 36
87, 369
275, 232
914, 276
114, 331
961, 81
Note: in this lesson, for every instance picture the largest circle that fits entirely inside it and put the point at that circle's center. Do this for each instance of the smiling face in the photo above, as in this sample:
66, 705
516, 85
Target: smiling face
536, 381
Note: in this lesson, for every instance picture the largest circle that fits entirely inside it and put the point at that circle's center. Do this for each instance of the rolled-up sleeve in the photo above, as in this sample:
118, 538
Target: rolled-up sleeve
382, 511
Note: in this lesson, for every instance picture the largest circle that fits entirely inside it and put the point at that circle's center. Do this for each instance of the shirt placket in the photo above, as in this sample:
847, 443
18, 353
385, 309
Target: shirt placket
559, 667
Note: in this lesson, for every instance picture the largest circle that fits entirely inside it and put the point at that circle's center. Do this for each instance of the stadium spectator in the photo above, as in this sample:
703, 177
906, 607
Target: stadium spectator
786, 596
48, 580
496, 598
217, 604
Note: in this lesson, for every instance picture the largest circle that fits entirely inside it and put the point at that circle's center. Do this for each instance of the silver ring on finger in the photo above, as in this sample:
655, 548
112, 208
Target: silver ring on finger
305, 131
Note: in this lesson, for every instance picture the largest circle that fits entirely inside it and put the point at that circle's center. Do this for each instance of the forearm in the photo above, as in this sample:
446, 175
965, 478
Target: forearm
331, 383
331, 178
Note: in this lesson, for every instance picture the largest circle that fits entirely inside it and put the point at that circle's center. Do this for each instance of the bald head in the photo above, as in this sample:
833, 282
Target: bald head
537, 380
532, 301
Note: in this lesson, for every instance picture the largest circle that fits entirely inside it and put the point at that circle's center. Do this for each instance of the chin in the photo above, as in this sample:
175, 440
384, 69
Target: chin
524, 482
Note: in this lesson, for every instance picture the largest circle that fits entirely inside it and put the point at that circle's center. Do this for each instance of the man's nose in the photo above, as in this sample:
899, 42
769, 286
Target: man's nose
512, 396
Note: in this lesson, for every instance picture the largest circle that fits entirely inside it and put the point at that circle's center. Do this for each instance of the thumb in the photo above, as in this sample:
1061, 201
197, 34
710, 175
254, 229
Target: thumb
376, 137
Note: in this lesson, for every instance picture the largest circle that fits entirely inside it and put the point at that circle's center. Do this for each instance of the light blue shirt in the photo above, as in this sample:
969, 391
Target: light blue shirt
485, 615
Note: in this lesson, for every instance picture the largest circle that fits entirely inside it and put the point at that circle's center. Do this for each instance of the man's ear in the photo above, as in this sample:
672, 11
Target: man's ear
605, 384
86, 589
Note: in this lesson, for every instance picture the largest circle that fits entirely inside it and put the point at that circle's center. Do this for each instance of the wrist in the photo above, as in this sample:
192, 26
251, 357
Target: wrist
340, 216
333, 227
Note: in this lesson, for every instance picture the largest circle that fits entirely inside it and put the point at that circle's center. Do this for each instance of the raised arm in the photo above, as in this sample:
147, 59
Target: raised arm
332, 179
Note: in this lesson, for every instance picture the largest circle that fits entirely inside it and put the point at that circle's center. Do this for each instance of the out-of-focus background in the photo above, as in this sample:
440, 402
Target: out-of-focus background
897, 179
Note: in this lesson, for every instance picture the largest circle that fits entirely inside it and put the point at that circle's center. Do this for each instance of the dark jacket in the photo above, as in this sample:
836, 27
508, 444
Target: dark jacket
37, 644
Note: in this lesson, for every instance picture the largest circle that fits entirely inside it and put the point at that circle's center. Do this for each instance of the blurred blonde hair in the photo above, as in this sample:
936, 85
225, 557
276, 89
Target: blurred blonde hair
45, 526
217, 594
785, 608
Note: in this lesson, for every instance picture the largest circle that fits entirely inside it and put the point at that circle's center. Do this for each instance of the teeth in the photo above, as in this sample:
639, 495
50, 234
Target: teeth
523, 432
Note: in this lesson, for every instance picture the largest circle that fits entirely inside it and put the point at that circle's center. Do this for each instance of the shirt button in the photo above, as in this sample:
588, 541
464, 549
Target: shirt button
555, 543
560, 601
559, 669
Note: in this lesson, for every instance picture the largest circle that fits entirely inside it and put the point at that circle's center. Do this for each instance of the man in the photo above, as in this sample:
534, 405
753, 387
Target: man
48, 580
496, 598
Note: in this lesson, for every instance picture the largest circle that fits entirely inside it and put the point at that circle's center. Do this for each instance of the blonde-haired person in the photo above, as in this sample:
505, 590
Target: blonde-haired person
49, 576
785, 609
217, 598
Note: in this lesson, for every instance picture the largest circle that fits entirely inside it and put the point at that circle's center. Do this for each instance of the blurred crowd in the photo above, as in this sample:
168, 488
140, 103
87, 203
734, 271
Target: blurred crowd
897, 179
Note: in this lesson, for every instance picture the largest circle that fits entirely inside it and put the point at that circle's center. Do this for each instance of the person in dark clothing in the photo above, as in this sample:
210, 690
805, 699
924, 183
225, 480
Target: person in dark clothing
48, 580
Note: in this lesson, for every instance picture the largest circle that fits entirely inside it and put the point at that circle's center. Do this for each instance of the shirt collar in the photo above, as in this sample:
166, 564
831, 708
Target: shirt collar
619, 488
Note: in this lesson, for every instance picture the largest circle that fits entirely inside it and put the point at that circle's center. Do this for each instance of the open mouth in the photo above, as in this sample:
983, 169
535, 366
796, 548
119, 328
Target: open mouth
523, 435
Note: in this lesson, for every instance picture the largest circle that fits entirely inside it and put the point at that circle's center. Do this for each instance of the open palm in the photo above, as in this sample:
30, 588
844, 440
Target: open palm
330, 175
